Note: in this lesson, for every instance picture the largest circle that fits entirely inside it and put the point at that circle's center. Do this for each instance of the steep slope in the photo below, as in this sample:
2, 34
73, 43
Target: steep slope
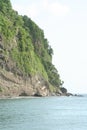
25, 57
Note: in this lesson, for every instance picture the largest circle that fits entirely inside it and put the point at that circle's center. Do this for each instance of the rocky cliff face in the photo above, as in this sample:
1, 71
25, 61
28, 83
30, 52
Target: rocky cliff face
13, 85
26, 67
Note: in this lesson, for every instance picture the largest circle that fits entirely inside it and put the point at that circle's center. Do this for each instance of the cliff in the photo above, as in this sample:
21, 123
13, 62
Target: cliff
26, 67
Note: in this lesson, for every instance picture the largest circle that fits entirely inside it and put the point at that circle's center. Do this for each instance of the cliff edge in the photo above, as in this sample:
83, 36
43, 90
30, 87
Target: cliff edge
26, 67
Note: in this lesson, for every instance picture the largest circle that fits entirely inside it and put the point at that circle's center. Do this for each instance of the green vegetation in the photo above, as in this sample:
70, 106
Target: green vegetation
25, 50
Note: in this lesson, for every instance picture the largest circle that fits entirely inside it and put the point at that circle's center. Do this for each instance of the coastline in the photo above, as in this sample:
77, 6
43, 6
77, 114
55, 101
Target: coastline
29, 97
19, 97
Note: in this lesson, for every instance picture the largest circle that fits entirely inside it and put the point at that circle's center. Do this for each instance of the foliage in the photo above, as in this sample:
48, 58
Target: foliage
63, 90
25, 45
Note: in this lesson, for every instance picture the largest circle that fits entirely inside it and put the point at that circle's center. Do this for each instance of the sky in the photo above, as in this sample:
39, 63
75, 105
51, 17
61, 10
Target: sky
65, 26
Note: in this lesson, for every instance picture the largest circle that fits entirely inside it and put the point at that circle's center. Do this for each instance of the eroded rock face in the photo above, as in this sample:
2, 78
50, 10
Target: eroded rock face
14, 85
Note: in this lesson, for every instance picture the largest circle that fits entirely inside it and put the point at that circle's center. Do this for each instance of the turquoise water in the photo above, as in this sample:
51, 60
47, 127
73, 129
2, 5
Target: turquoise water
49, 113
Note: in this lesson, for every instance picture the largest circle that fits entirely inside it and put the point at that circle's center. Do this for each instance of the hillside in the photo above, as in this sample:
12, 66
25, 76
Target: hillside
25, 57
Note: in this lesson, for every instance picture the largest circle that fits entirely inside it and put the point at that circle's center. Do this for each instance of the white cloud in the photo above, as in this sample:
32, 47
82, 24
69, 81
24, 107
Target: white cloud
56, 8
31, 11
46, 6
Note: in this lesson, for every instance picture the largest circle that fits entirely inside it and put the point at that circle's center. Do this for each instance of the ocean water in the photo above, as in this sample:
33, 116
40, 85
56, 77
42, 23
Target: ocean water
45, 113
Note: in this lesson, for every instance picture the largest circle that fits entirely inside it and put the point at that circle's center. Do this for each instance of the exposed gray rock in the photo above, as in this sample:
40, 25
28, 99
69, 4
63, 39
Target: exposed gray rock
14, 85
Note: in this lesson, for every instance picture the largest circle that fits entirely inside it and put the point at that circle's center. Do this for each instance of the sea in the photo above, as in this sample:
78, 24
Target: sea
44, 113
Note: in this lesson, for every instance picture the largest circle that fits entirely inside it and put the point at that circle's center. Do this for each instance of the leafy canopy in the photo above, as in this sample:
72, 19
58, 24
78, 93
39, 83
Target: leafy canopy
25, 46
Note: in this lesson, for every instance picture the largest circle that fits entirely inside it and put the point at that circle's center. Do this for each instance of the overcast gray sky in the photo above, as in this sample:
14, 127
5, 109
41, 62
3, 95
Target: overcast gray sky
65, 26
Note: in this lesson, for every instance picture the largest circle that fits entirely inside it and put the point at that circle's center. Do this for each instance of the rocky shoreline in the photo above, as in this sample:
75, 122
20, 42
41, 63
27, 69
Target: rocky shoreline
29, 97
12, 85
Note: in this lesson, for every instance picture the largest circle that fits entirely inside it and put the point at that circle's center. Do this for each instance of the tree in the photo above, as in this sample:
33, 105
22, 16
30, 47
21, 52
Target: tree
64, 90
